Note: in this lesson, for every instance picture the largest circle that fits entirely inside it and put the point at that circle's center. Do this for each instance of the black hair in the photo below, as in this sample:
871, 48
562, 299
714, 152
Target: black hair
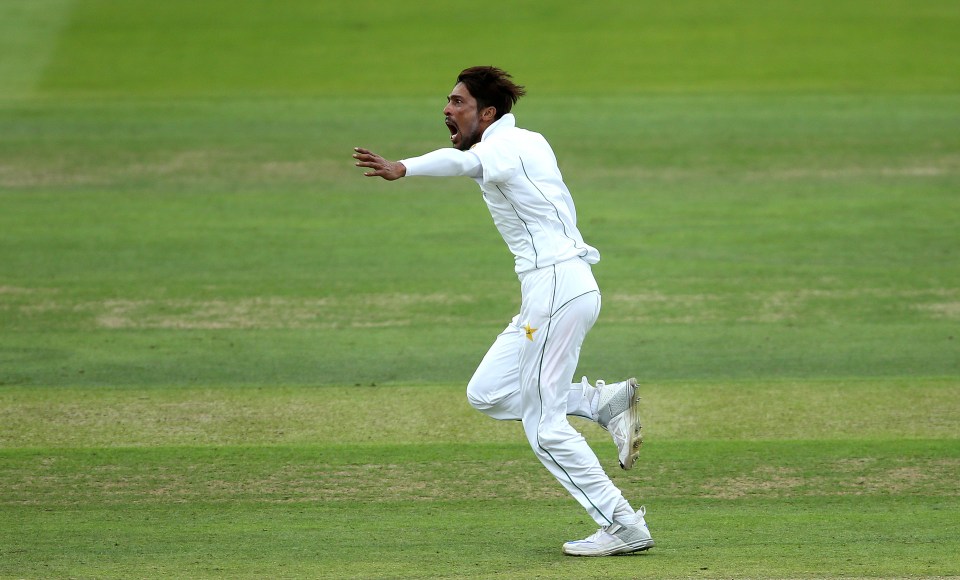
492, 87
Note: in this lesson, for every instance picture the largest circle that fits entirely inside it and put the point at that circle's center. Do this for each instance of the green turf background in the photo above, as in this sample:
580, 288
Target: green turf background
224, 353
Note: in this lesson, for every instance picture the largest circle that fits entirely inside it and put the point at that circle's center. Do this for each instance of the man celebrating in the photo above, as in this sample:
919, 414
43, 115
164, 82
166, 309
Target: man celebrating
526, 374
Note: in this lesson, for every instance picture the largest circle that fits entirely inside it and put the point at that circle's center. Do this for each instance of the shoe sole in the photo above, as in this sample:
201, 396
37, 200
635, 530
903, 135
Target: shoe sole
636, 430
617, 551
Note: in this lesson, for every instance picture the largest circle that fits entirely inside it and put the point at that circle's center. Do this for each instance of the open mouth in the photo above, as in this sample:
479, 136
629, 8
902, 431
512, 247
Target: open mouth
454, 130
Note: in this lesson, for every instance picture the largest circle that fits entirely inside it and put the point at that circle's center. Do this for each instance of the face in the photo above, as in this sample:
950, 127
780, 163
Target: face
465, 122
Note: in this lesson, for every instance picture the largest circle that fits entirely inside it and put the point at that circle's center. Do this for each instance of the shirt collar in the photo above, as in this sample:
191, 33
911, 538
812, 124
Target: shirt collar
505, 122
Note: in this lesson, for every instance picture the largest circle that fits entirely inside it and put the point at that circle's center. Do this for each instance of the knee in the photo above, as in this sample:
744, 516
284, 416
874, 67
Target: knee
478, 395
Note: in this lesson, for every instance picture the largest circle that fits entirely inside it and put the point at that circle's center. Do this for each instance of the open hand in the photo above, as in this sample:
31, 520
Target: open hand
381, 167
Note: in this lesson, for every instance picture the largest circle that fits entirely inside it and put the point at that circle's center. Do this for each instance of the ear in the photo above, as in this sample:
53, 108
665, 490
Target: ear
488, 114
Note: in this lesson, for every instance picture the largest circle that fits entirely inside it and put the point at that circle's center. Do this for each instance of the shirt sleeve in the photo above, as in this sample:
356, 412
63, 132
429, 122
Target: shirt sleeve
500, 159
444, 163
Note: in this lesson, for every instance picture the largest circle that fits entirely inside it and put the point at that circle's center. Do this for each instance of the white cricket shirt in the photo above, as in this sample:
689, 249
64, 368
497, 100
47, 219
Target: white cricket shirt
524, 191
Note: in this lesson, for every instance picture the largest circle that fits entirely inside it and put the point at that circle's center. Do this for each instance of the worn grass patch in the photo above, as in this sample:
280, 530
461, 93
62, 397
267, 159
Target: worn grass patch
31, 306
148, 479
284, 480
475, 472
104, 417
717, 509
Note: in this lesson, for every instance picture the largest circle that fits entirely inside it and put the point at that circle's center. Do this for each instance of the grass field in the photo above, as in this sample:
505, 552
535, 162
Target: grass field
223, 353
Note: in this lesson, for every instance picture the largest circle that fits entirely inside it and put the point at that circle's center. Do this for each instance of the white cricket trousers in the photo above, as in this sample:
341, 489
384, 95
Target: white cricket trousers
526, 375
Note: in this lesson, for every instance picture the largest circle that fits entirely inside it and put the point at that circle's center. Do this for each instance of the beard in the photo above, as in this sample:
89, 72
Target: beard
469, 139
463, 138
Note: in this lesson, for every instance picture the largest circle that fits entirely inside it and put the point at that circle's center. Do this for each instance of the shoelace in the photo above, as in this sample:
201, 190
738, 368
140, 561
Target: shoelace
597, 535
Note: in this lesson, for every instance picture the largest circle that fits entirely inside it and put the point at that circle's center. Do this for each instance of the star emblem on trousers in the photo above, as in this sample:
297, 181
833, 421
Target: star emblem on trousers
529, 330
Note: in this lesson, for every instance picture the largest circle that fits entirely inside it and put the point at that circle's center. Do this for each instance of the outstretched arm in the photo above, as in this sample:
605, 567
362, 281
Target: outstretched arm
447, 162
389, 170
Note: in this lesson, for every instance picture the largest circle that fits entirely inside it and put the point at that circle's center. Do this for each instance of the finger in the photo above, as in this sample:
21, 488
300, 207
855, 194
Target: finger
367, 158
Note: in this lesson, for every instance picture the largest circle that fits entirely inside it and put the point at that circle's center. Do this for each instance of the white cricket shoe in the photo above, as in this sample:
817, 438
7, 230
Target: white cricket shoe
614, 399
618, 414
613, 539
